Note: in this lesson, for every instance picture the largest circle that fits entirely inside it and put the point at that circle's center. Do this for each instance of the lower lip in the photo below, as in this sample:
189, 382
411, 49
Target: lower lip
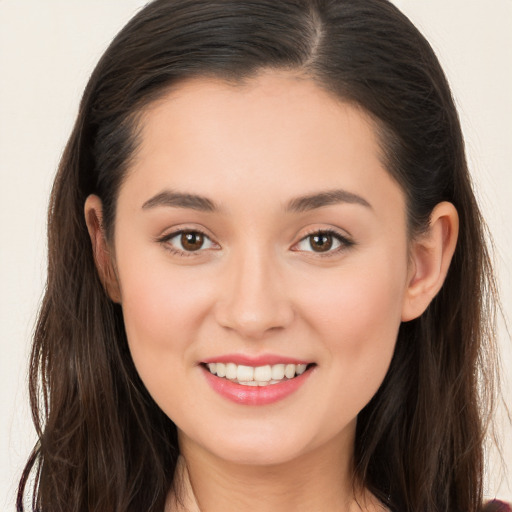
255, 395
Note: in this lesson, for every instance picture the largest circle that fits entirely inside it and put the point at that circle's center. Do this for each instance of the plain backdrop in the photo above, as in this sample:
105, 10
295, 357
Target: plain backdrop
48, 49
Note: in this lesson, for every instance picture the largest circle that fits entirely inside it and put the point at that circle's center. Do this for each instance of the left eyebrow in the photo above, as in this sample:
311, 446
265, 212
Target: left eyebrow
180, 200
326, 198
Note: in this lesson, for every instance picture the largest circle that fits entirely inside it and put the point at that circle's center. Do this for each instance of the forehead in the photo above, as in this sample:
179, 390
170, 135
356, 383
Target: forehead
278, 97
274, 137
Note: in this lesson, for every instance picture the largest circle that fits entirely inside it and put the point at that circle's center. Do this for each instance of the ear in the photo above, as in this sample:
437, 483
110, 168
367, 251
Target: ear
103, 258
430, 257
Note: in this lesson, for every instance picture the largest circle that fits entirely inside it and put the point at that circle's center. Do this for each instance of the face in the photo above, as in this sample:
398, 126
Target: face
258, 234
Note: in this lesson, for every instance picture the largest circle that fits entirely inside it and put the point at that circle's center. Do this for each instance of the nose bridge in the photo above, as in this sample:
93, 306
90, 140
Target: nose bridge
254, 300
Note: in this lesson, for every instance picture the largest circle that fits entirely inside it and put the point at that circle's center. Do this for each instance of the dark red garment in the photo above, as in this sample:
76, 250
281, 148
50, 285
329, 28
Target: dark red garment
497, 506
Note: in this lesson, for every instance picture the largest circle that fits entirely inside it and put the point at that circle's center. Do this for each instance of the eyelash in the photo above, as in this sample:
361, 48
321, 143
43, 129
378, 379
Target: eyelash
164, 240
344, 242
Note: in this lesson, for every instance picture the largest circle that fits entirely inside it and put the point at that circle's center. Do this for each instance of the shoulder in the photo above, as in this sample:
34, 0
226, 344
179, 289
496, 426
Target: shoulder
497, 506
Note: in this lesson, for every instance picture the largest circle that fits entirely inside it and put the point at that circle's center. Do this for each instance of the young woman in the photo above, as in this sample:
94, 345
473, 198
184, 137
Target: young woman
268, 283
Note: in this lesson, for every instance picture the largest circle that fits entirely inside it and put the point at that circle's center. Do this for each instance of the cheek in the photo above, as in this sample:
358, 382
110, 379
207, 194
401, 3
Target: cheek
163, 310
357, 320
357, 300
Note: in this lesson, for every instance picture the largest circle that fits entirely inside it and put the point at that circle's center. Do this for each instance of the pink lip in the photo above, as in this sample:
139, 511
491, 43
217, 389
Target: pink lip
255, 395
262, 360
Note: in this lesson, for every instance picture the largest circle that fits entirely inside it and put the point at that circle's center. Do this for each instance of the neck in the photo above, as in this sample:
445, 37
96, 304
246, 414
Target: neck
318, 480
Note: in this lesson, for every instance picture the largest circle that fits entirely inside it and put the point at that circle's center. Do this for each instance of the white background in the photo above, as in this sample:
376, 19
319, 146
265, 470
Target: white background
47, 51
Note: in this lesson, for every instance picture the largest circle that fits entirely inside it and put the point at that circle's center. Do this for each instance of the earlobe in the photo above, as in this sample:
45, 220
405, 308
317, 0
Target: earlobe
431, 254
103, 258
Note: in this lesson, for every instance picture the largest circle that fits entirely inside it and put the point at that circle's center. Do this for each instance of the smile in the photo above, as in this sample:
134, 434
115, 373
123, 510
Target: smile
256, 384
256, 375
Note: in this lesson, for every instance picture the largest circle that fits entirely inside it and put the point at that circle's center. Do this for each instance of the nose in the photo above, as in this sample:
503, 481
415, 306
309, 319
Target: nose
253, 300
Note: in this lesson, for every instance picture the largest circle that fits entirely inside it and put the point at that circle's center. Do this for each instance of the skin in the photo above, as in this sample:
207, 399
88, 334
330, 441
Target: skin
257, 285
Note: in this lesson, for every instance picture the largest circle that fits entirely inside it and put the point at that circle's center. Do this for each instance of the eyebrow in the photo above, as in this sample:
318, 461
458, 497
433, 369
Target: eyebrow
327, 198
180, 200
298, 205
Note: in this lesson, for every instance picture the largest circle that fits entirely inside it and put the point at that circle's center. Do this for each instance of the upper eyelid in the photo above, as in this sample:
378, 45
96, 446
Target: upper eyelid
175, 231
344, 240
174, 234
343, 237
166, 238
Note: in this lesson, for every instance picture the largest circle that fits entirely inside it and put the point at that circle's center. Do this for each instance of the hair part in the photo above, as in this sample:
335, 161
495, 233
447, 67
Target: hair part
103, 442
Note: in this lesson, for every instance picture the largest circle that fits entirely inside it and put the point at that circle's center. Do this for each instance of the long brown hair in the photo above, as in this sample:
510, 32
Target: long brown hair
104, 445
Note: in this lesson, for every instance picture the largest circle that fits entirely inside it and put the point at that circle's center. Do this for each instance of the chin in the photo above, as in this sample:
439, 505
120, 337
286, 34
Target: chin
260, 446
258, 456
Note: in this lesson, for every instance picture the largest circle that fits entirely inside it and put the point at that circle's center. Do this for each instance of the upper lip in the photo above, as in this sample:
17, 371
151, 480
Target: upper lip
261, 360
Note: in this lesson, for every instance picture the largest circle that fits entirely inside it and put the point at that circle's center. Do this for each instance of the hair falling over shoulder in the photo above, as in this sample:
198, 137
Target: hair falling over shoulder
104, 445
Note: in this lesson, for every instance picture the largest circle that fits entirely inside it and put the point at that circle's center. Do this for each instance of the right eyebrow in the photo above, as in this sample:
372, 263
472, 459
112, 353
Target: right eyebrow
325, 198
180, 200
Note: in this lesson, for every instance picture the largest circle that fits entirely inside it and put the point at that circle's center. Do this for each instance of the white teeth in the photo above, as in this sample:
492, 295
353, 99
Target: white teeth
256, 376
259, 383
263, 373
289, 371
301, 368
221, 370
231, 371
244, 373
277, 371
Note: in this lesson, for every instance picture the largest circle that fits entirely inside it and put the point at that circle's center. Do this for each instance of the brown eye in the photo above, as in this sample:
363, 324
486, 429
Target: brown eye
321, 242
185, 243
192, 240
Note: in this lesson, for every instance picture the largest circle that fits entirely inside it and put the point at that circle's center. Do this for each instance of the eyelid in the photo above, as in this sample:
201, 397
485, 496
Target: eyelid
167, 237
345, 242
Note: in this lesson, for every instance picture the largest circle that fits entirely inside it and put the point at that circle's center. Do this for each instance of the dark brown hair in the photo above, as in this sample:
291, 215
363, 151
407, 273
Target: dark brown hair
104, 445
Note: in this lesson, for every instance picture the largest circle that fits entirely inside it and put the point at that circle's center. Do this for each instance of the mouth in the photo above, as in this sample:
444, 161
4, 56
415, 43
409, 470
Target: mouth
261, 384
260, 376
